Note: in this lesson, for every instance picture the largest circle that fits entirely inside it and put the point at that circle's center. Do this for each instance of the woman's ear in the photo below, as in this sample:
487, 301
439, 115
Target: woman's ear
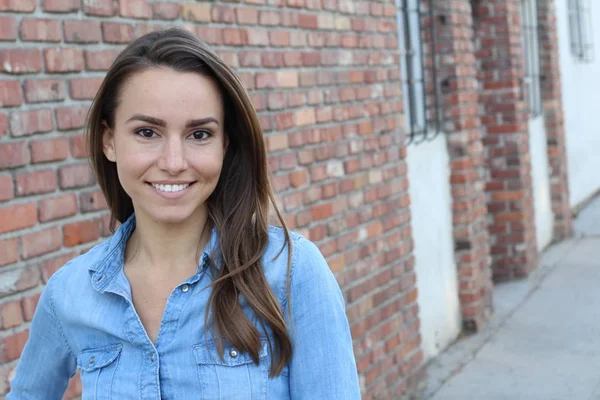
108, 144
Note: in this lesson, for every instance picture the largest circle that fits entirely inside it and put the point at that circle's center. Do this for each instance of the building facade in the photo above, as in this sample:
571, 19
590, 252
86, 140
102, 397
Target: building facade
421, 144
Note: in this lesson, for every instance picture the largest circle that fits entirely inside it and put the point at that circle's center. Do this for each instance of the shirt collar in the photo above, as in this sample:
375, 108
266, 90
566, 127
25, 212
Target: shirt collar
103, 271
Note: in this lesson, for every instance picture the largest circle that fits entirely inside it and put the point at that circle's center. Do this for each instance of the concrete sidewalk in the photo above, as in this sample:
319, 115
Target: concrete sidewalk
543, 342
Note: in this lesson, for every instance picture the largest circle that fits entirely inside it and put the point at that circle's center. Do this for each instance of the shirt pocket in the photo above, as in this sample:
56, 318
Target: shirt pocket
98, 371
233, 377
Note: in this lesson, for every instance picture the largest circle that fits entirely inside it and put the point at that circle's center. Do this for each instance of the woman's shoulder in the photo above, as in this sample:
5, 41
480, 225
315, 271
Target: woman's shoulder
307, 261
76, 272
300, 245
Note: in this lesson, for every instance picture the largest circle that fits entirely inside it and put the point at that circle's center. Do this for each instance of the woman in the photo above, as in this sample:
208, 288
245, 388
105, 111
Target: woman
195, 296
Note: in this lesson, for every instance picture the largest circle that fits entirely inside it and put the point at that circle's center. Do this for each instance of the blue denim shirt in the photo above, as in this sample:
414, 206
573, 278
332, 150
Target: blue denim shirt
86, 319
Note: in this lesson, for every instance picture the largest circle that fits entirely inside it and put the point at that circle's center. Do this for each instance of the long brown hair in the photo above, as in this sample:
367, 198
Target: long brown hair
239, 206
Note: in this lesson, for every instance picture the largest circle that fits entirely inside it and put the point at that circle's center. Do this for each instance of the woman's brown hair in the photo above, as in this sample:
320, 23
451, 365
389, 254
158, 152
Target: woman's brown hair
239, 206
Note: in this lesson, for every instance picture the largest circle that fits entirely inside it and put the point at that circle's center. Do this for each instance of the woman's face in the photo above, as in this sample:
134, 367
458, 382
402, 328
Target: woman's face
168, 143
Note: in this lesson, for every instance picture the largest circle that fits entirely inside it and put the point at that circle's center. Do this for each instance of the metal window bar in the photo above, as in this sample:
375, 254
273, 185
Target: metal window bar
582, 46
413, 71
532, 79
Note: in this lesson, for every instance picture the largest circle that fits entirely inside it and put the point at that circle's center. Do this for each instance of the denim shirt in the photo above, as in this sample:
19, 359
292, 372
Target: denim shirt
86, 319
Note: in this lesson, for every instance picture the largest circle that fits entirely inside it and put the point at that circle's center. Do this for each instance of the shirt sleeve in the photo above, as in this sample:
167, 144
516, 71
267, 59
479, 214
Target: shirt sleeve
323, 364
47, 363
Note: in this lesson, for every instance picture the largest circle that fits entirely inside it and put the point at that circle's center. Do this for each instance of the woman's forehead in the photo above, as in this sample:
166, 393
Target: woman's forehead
168, 94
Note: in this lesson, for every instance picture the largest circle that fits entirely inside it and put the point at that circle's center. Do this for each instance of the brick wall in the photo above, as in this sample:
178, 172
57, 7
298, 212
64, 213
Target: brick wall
323, 75
500, 56
505, 117
462, 123
553, 116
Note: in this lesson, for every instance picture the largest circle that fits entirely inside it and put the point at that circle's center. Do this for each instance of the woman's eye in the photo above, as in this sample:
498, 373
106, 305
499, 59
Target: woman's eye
200, 135
145, 132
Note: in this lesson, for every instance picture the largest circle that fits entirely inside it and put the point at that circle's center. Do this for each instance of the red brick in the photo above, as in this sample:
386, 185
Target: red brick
40, 30
78, 175
3, 125
246, 16
10, 94
13, 154
36, 182
100, 8
82, 232
78, 146
135, 9
299, 178
143, 28
60, 6
39, 243
235, 37
82, 31
64, 59
41, 90
8, 28
12, 346
31, 122
100, 60
92, 201
7, 189
29, 304
200, 12
271, 18
222, 14
84, 89
18, 217
258, 37
45, 150
295, 3
58, 207
168, 11
322, 211
49, 267
115, 32
71, 117
9, 251
18, 5
20, 61
279, 39
307, 21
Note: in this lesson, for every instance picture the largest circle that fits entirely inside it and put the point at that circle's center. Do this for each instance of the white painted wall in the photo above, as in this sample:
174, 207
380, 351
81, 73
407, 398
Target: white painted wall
580, 89
431, 208
540, 175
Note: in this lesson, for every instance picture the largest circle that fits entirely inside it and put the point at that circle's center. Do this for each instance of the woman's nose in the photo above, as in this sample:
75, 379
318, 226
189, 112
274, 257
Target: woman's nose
173, 157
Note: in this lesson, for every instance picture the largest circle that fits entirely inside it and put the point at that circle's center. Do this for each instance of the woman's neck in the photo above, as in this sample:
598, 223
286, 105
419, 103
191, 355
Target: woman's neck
168, 248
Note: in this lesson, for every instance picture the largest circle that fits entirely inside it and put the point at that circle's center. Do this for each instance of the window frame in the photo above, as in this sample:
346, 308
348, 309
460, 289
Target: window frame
581, 30
532, 78
419, 123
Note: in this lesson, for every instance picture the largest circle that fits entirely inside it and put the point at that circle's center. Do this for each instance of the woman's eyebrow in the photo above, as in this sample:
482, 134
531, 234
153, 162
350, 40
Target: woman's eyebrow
163, 123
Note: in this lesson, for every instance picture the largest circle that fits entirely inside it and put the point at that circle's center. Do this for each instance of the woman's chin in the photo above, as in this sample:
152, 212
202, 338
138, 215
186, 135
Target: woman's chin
165, 216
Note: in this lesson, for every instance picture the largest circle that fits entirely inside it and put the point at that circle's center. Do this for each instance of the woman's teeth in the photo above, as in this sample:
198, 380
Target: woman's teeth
170, 188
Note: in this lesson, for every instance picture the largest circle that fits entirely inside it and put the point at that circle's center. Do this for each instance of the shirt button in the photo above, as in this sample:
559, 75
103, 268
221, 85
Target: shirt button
185, 288
152, 357
233, 353
92, 359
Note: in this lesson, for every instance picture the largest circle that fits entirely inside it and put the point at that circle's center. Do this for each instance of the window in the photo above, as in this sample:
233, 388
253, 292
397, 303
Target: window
531, 52
418, 69
582, 46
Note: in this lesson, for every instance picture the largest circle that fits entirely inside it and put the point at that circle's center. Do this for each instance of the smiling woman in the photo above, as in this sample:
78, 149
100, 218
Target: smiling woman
195, 295
168, 134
